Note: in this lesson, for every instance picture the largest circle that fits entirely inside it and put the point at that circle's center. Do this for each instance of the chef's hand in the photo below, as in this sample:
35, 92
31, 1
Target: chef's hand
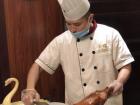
29, 95
117, 87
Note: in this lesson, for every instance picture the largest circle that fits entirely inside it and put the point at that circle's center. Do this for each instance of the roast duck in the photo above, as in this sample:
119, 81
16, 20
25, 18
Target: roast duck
97, 97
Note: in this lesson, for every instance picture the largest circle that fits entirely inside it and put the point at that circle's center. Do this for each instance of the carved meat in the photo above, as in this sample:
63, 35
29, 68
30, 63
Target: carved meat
97, 97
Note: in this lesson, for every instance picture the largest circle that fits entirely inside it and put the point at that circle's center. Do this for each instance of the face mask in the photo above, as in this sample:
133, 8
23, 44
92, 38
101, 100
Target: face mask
82, 33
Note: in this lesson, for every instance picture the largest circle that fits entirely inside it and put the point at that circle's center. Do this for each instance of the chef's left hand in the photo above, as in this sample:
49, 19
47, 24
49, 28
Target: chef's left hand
117, 87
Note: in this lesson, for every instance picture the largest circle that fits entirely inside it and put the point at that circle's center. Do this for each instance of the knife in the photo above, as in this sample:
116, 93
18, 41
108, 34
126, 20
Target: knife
39, 103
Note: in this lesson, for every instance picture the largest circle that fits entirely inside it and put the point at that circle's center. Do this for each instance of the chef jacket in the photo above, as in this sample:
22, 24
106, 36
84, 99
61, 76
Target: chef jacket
89, 64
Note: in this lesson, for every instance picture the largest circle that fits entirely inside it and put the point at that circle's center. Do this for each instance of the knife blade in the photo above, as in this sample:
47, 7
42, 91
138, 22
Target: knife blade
39, 103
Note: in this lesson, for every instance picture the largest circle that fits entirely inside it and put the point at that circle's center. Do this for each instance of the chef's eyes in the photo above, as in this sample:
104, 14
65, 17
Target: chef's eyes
73, 24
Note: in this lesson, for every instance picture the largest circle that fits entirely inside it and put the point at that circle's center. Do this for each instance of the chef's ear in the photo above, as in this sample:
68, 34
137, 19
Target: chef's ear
91, 17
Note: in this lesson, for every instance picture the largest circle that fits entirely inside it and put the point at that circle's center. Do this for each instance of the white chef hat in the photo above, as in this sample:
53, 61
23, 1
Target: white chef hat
74, 9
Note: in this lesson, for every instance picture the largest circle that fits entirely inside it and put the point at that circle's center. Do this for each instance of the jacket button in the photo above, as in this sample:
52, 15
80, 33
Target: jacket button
95, 67
98, 82
83, 69
81, 54
93, 52
91, 38
78, 40
84, 84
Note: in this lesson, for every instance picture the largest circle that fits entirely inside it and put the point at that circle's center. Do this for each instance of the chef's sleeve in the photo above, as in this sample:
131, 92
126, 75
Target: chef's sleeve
49, 59
121, 53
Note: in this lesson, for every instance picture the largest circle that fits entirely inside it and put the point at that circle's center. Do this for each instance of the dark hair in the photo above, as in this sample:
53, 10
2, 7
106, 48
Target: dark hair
91, 6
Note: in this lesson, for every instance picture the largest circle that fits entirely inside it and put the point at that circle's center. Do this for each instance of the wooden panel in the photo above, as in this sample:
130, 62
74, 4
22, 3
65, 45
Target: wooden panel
4, 65
31, 25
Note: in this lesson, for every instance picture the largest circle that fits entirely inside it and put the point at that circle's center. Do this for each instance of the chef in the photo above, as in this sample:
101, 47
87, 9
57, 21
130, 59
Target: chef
93, 56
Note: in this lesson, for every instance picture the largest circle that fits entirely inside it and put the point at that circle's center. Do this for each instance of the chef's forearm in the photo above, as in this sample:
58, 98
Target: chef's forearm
33, 76
124, 74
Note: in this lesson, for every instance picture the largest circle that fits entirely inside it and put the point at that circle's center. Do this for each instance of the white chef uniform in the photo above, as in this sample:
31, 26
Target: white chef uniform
89, 64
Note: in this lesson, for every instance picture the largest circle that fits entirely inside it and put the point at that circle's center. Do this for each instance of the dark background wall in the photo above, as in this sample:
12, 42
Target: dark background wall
27, 26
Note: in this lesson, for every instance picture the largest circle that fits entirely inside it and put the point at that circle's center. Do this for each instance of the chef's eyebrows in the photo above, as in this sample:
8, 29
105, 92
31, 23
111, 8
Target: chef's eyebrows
75, 23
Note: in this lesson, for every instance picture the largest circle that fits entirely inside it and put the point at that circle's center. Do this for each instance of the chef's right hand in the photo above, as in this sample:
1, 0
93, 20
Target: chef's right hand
29, 95
117, 87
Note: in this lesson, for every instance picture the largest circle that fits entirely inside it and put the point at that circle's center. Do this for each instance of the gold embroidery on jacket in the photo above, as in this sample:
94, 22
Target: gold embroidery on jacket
103, 48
